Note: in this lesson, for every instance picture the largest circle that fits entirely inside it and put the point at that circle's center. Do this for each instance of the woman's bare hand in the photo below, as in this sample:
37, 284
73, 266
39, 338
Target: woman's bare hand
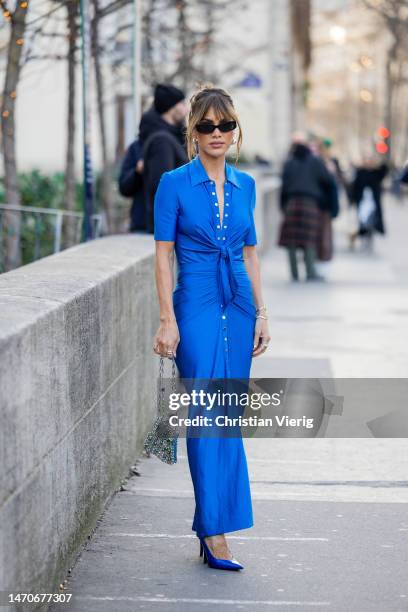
261, 337
166, 339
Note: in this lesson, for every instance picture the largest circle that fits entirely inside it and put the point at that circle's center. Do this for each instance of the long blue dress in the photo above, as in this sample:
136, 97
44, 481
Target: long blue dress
216, 314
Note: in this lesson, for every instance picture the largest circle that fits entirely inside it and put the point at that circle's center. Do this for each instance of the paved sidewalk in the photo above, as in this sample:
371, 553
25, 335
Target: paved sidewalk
331, 514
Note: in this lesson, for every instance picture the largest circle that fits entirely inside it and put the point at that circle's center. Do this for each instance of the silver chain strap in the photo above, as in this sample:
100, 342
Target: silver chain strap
173, 375
162, 439
161, 388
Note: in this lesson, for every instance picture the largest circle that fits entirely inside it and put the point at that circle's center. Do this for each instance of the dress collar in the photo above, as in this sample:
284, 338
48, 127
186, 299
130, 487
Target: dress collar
198, 173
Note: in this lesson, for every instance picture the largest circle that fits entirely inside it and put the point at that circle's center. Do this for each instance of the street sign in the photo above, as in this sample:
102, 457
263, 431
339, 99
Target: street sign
250, 80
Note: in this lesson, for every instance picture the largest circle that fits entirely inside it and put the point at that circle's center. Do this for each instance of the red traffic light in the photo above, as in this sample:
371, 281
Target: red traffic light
383, 132
381, 147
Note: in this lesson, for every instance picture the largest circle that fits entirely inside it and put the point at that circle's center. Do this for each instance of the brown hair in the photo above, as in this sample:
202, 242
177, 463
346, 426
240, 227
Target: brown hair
201, 101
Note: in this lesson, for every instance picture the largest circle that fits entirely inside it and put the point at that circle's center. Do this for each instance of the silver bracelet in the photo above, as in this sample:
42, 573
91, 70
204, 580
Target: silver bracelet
261, 317
261, 308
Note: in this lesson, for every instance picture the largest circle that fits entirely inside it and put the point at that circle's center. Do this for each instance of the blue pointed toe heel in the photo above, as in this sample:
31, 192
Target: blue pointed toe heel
202, 552
225, 564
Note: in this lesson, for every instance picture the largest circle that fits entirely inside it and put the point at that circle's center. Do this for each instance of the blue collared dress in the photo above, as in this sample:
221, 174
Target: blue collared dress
215, 311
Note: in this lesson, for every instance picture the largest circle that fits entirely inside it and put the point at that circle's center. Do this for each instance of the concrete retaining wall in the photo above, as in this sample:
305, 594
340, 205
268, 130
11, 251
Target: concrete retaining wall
77, 373
267, 211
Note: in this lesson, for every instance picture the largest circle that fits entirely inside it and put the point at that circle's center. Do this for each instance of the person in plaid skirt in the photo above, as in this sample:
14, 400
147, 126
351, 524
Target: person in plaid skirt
306, 183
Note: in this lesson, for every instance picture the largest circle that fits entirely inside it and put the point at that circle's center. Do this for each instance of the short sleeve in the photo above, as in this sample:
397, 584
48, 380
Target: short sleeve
166, 208
250, 238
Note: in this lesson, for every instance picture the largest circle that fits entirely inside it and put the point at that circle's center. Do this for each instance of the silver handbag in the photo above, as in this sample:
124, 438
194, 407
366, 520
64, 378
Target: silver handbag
162, 439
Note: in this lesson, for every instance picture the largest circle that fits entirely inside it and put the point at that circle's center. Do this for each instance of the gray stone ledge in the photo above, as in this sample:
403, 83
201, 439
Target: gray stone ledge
77, 376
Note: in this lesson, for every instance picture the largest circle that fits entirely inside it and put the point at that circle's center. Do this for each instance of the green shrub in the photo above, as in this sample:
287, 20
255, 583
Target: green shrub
42, 191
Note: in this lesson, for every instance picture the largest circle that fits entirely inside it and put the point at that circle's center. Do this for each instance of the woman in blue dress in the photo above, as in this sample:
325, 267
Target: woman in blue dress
215, 320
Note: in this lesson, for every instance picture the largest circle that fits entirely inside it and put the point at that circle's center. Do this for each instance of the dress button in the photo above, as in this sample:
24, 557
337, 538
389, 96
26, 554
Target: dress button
218, 238
223, 317
213, 193
225, 227
216, 204
223, 237
226, 214
217, 214
225, 339
227, 193
226, 204
218, 226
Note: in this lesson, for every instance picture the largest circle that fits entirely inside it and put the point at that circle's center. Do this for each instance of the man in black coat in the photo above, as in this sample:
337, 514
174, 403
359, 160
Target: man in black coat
131, 185
370, 175
404, 177
161, 146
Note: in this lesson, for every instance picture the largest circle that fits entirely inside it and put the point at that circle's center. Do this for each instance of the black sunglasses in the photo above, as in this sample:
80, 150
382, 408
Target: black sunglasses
208, 128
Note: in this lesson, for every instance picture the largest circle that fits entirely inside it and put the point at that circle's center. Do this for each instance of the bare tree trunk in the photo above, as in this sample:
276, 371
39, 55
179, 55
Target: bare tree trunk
396, 128
394, 15
300, 15
184, 35
209, 68
12, 220
149, 65
389, 88
70, 182
106, 187
404, 132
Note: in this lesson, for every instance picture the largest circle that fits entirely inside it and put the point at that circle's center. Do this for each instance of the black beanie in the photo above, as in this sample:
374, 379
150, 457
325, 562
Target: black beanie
166, 96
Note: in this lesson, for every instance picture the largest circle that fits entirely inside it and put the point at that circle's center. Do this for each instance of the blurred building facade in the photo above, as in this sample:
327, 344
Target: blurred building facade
249, 53
349, 91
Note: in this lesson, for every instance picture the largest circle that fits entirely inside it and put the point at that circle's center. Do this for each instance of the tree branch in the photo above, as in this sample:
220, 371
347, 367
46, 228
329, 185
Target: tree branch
112, 7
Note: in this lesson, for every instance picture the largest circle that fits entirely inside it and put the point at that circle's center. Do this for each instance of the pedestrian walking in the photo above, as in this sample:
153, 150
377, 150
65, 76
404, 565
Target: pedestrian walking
162, 135
215, 320
305, 191
330, 207
404, 175
366, 191
325, 150
160, 147
131, 186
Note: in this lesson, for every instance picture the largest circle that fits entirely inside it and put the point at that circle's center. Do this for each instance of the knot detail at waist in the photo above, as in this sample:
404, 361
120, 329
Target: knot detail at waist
224, 262
225, 252
226, 278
